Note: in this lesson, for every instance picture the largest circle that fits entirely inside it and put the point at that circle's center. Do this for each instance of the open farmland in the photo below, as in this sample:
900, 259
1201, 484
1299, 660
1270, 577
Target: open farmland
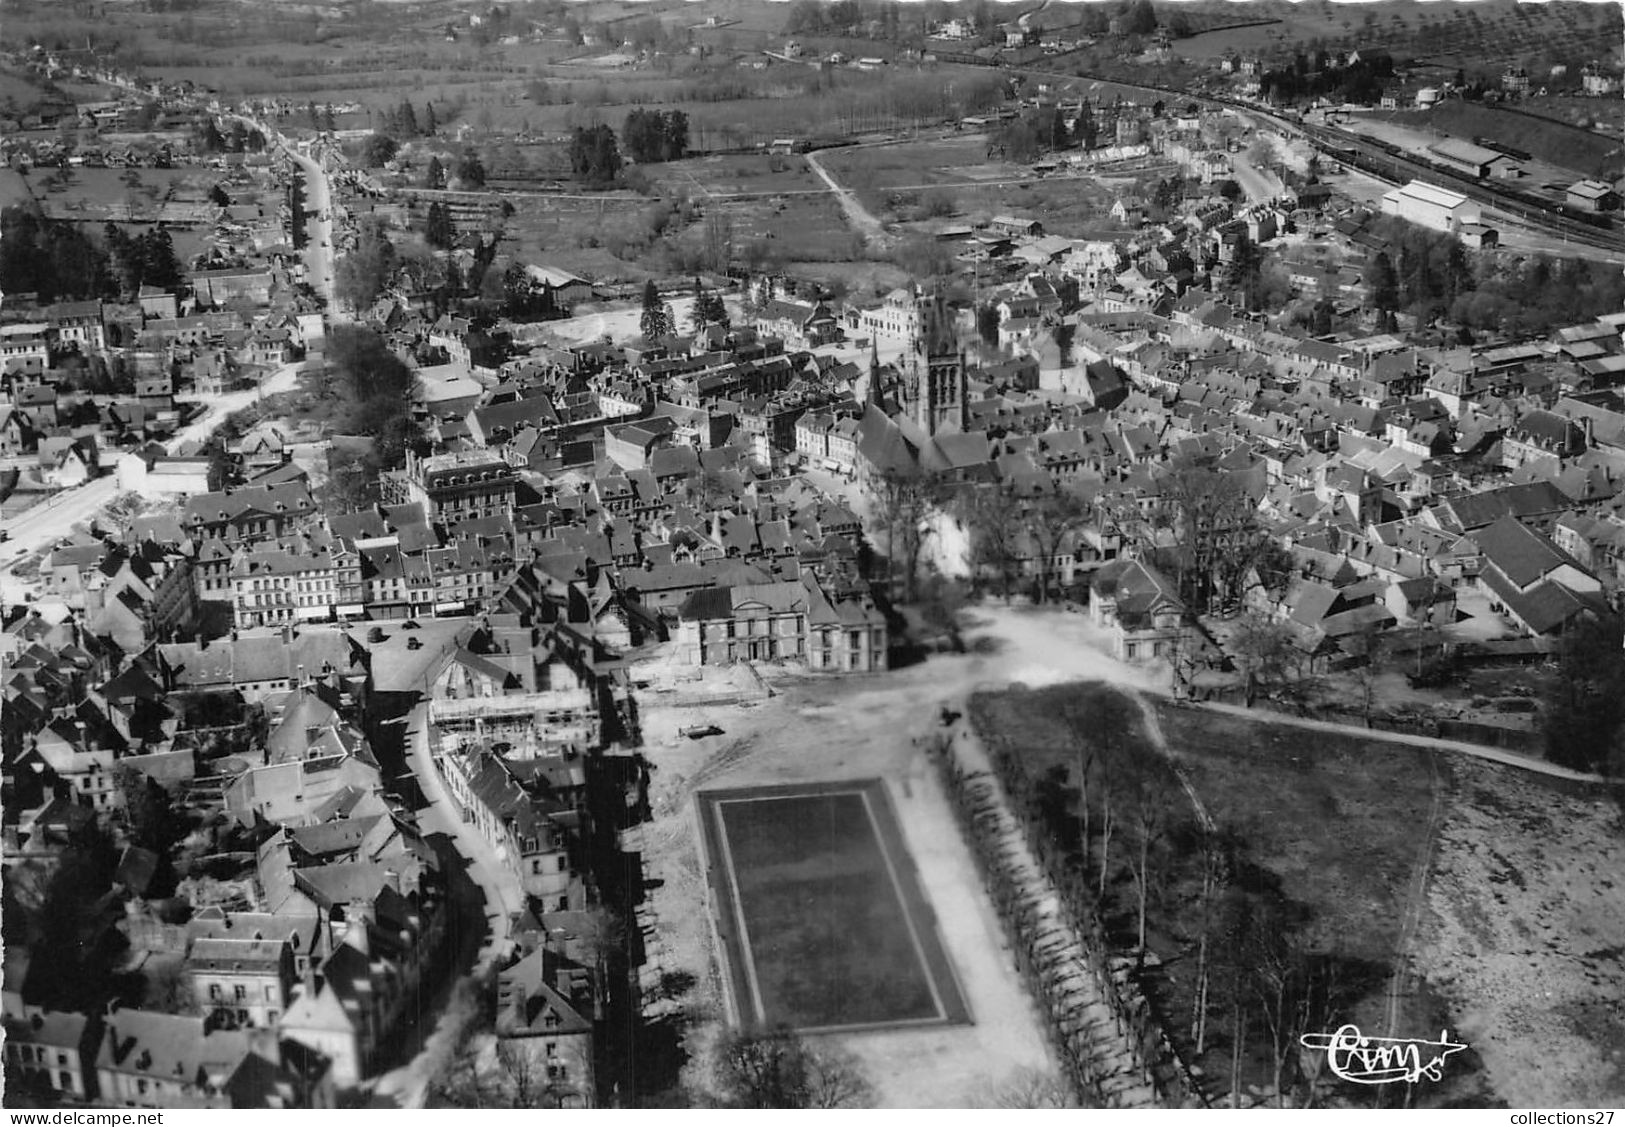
17, 89
914, 165
703, 177
804, 228
619, 238
1480, 37
577, 234
177, 197
954, 177
13, 188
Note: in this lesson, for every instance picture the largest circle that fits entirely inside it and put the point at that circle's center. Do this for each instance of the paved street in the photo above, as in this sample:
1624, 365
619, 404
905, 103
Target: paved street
500, 900
1260, 186
318, 231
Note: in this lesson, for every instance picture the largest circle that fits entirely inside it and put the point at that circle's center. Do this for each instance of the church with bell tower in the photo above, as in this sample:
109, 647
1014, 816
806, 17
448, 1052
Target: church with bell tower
934, 371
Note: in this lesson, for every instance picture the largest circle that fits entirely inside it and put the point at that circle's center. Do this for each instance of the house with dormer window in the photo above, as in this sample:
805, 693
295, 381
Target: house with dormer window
1140, 609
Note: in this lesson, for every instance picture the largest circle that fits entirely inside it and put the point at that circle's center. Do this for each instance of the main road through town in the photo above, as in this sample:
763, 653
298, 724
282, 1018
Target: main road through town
499, 899
318, 230
37, 528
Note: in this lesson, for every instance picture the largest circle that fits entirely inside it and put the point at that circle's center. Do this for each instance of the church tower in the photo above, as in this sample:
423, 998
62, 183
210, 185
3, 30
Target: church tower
938, 371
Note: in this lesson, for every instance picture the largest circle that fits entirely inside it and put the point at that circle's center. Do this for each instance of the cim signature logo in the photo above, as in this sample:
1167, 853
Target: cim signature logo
1382, 1060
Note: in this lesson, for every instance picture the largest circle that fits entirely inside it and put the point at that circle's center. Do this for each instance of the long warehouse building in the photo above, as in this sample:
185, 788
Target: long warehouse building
1437, 209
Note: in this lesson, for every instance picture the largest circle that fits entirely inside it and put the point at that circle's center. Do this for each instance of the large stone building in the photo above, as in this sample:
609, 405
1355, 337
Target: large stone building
465, 485
784, 621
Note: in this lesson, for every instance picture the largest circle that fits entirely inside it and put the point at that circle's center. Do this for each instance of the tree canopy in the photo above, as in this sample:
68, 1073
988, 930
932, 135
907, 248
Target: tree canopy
363, 273
656, 319
652, 136
776, 1069
595, 157
1585, 707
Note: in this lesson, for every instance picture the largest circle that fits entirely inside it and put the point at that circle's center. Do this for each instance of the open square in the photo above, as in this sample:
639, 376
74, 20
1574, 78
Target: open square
821, 917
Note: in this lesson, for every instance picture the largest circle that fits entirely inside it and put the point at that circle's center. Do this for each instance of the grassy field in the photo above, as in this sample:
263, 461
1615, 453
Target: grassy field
1327, 832
608, 239
13, 188
1281, 789
722, 175
1580, 150
925, 162
17, 89
808, 228
101, 186
823, 899
903, 183
1480, 37
1599, 114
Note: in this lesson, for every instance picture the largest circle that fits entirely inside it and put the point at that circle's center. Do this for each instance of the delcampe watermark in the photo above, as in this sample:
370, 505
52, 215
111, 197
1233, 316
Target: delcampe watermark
1382, 1060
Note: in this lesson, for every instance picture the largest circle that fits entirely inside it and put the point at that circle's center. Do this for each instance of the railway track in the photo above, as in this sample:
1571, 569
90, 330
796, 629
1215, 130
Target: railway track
1393, 165
1387, 163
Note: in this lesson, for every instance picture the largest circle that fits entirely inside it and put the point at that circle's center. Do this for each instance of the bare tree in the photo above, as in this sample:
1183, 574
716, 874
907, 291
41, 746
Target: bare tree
1213, 513
1275, 969
522, 1076
836, 1080
904, 503
1106, 820
1050, 520
993, 516
510, 1074
1184, 655
1030, 1088
1265, 650
603, 934
1298, 990
1083, 741
1150, 811
774, 1069
1215, 880
1363, 647
1142, 525
1261, 153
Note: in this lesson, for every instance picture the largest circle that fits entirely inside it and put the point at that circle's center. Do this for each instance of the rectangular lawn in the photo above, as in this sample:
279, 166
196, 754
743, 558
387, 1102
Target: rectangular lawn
822, 920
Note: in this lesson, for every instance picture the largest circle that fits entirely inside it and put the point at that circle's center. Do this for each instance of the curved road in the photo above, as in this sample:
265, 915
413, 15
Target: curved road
408, 1085
38, 528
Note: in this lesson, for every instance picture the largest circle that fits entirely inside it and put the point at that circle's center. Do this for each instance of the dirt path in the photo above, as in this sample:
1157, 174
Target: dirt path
1153, 729
1506, 857
1477, 751
1416, 898
856, 214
